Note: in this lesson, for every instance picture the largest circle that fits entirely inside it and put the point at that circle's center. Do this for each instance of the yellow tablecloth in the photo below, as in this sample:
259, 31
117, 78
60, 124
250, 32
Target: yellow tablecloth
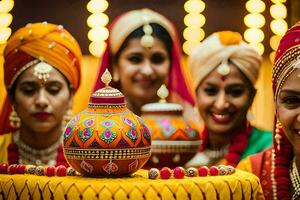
240, 185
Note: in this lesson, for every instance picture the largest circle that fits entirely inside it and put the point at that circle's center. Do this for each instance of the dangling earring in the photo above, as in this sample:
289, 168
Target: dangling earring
277, 134
250, 116
67, 117
15, 121
116, 77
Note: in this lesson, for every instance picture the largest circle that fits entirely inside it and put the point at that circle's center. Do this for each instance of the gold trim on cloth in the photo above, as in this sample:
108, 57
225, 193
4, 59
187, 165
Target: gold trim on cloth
163, 146
240, 185
107, 154
281, 73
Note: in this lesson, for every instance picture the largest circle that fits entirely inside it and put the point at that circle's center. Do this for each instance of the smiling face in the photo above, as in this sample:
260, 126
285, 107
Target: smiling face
142, 71
223, 102
288, 109
41, 107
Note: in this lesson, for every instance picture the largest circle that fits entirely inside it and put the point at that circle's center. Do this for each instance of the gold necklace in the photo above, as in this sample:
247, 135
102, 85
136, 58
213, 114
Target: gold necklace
29, 155
295, 178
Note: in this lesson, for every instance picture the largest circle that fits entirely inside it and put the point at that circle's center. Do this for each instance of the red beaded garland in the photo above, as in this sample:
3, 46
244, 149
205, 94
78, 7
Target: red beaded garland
50, 171
214, 171
3, 168
61, 171
203, 171
21, 169
12, 169
165, 173
179, 172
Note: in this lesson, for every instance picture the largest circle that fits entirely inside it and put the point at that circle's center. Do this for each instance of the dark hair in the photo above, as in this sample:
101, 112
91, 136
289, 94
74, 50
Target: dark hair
158, 32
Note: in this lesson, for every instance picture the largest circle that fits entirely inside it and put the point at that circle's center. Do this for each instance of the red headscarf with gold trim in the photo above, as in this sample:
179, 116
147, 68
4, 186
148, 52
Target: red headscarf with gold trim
287, 55
47, 42
179, 81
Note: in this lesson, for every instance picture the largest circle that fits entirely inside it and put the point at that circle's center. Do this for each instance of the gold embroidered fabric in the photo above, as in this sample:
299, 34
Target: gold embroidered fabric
240, 185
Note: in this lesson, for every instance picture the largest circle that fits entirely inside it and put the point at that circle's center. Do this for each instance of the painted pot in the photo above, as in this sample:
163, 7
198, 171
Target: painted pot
175, 140
107, 139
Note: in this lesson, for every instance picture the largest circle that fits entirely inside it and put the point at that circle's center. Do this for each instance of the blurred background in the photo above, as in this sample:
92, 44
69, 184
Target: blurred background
261, 22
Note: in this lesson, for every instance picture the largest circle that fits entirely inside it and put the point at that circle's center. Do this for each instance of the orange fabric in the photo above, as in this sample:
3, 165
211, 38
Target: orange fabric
34, 40
43, 41
260, 165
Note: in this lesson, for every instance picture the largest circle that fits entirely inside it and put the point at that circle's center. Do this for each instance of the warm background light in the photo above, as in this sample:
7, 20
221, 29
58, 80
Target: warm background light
278, 11
6, 6
194, 21
255, 6
254, 22
97, 48
259, 47
5, 32
274, 41
98, 34
278, 25
97, 6
278, 1
193, 33
5, 21
254, 35
194, 6
97, 21
189, 45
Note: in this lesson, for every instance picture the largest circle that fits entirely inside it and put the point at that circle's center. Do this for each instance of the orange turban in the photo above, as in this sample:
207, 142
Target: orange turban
36, 42
47, 42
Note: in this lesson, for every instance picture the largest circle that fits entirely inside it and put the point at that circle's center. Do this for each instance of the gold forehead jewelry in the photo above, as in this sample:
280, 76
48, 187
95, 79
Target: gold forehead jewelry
147, 40
42, 71
223, 68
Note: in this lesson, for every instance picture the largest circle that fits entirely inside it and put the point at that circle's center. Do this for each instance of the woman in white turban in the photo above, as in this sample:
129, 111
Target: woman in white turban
224, 70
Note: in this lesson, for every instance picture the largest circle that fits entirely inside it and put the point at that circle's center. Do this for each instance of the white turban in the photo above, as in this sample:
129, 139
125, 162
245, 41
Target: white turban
223, 46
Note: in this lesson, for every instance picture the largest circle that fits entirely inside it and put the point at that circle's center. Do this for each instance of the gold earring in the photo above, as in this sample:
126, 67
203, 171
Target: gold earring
15, 121
68, 116
250, 116
277, 134
116, 77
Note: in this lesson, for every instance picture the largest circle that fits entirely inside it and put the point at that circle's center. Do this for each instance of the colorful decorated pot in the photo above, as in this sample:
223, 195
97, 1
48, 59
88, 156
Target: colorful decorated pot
107, 139
175, 140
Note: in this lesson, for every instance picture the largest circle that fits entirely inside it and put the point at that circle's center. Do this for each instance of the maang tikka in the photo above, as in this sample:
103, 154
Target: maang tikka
42, 71
147, 40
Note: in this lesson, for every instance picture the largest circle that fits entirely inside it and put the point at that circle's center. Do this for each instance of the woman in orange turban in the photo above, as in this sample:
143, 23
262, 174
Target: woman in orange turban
42, 73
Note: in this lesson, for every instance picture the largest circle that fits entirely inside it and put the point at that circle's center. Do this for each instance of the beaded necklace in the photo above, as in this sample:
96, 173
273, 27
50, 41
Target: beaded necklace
214, 156
237, 146
24, 154
295, 178
28, 154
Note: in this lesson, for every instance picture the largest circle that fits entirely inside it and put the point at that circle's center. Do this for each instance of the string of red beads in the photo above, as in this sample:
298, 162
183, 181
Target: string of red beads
180, 172
60, 170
